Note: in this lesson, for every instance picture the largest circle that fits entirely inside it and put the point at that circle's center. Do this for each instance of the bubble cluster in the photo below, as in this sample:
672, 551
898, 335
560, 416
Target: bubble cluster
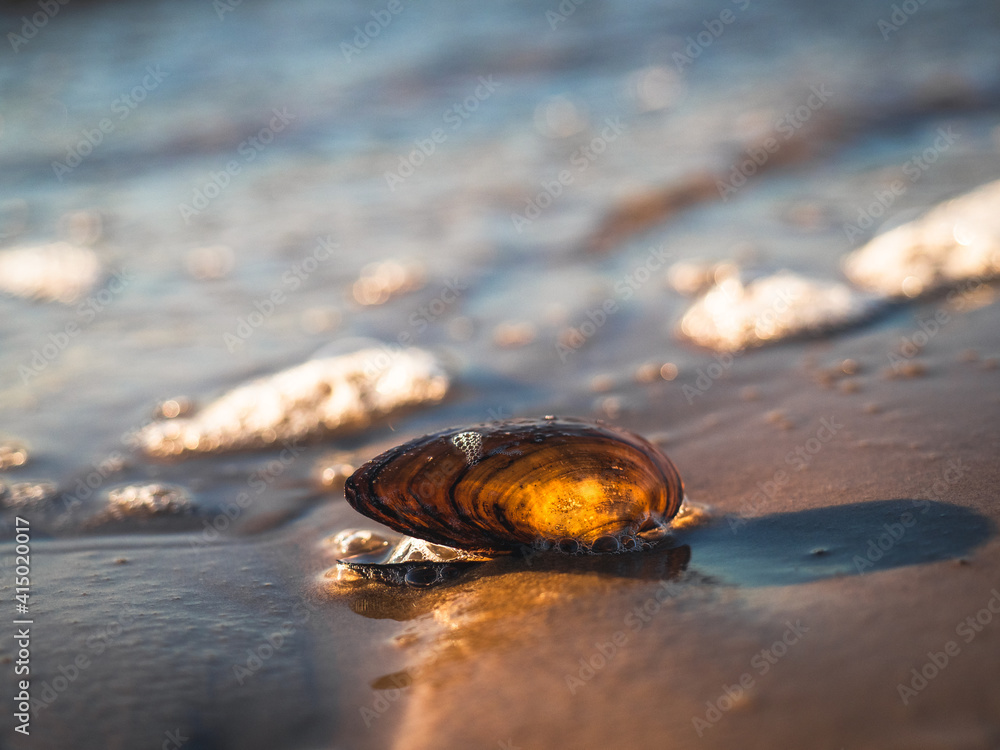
471, 444
147, 501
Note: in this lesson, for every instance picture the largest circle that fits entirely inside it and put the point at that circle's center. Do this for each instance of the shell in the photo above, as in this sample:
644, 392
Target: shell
577, 485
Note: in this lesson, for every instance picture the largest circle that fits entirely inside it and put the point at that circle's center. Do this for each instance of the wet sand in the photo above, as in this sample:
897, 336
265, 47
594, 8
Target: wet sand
792, 553
851, 478
861, 617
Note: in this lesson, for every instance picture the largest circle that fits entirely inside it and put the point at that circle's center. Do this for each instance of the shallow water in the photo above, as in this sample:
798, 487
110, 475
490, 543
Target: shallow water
562, 309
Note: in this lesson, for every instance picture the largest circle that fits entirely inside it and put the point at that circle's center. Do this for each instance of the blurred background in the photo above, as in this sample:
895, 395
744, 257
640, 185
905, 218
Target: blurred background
197, 193
484, 177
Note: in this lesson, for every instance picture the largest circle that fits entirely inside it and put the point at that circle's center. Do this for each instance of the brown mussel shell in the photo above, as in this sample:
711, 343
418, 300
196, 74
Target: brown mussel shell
493, 488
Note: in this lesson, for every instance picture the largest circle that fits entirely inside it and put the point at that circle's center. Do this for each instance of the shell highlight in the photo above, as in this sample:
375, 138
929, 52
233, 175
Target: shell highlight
572, 484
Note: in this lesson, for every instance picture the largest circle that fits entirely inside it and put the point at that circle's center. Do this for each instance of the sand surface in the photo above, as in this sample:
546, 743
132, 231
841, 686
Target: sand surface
851, 478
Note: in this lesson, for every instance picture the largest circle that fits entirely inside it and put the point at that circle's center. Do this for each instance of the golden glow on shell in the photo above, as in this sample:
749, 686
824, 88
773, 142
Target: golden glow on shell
520, 483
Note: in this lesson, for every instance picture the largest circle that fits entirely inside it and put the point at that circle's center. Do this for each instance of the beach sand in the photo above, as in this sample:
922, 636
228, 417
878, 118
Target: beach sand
842, 589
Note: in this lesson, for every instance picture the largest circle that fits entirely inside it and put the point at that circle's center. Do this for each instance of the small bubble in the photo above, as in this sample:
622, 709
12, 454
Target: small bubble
912, 286
568, 546
668, 371
606, 545
352, 542
173, 408
421, 576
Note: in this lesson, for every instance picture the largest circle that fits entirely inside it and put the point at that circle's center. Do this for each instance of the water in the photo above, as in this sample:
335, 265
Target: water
528, 178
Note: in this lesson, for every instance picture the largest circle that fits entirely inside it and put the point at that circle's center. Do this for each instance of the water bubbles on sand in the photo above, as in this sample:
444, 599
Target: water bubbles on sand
172, 408
334, 469
59, 272
735, 315
135, 501
28, 495
380, 282
955, 241
12, 454
694, 276
339, 391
